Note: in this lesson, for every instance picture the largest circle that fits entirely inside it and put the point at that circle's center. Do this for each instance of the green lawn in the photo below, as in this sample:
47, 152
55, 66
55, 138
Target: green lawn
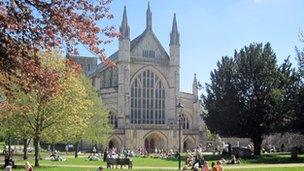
82, 160
94, 169
267, 162
273, 169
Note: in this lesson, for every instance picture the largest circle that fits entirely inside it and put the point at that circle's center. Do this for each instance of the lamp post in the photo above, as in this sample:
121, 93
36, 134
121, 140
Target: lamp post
179, 106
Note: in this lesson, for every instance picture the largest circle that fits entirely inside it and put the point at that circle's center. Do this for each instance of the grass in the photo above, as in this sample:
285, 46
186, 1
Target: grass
273, 169
94, 169
81, 164
274, 158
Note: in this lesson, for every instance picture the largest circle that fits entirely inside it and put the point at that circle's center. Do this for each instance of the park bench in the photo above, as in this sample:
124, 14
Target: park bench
121, 162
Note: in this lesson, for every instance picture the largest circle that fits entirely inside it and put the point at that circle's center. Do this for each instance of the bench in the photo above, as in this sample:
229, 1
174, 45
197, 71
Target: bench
121, 162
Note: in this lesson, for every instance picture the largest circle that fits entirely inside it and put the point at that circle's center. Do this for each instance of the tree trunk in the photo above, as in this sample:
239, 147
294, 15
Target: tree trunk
37, 150
52, 147
25, 145
76, 149
257, 143
9, 147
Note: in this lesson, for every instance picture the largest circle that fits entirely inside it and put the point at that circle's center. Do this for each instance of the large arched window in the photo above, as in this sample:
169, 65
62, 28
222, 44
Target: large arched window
147, 99
113, 119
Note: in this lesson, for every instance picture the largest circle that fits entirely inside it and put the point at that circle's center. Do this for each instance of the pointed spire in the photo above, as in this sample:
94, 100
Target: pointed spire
194, 80
124, 28
195, 87
149, 18
174, 35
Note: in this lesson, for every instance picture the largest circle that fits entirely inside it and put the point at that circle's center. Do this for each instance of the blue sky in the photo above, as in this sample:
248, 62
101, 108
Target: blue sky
210, 29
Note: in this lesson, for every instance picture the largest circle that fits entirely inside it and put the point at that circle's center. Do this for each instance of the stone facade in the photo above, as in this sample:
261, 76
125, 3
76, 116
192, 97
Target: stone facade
142, 91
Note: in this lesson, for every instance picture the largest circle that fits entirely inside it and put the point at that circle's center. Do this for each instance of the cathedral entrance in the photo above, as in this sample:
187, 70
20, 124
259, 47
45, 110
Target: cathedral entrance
114, 143
189, 144
155, 141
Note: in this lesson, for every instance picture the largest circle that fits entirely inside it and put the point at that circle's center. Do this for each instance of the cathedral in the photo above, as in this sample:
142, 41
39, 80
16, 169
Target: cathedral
142, 91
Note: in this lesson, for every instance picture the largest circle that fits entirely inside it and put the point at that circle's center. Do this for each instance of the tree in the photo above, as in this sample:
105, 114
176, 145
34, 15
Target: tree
12, 120
298, 117
64, 110
222, 102
97, 129
30, 26
289, 91
245, 95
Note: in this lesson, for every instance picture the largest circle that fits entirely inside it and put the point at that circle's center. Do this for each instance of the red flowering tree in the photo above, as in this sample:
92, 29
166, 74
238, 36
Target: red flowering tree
29, 26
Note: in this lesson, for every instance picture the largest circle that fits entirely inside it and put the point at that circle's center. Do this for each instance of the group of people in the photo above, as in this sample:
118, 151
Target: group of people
195, 158
8, 160
233, 160
114, 153
55, 157
28, 167
214, 166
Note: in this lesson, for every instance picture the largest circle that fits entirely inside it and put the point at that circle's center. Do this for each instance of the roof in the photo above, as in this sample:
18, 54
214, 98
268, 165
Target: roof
133, 44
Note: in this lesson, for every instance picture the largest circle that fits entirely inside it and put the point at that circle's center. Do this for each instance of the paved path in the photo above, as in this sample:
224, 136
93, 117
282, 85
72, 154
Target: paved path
227, 167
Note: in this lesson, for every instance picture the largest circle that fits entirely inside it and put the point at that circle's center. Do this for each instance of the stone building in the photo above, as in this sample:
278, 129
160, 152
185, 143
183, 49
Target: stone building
142, 91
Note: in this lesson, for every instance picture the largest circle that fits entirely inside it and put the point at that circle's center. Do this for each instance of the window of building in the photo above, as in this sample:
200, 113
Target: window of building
109, 78
113, 120
147, 99
149, 53
185, 122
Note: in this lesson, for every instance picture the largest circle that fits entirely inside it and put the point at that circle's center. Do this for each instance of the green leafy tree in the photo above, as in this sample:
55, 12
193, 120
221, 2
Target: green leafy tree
47, 117
97, 129
245, 95
288, 91
12, 118
298, 123
221, 101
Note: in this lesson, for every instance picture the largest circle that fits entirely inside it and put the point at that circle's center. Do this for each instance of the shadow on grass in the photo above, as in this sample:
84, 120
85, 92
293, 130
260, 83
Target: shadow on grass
274, 158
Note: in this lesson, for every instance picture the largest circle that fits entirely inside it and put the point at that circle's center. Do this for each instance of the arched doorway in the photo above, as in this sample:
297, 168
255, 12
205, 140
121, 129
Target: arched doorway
111, 144
155, 140
188, 144
114, 142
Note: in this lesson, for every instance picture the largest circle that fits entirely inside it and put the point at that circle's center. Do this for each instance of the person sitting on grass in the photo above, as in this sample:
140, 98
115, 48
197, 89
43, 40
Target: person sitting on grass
205, 166
213, 168
219, 166
9, 167
53, 155
100, 168
234, 160
93, 158
28, 166
59, 158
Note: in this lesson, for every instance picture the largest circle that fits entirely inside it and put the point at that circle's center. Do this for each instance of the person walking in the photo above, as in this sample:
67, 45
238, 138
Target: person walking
67, 149
105, 155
